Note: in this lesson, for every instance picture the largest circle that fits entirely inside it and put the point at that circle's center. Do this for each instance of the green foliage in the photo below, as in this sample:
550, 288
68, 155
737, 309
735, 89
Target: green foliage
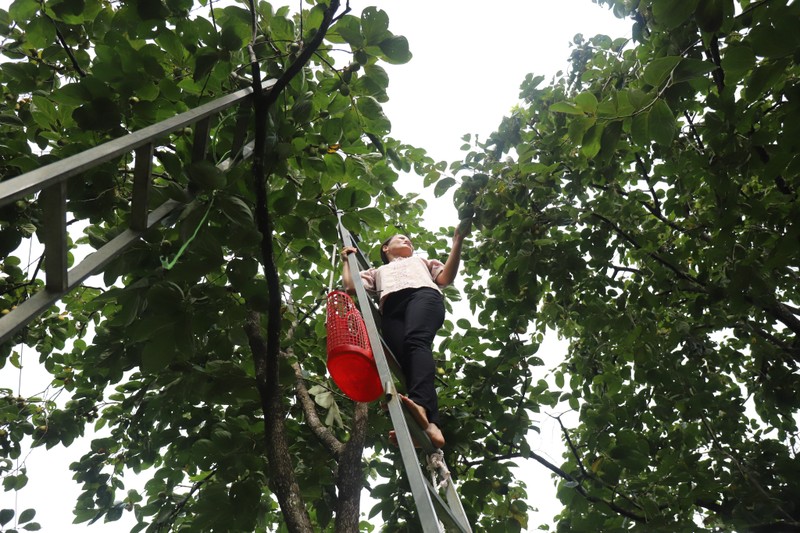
644, 205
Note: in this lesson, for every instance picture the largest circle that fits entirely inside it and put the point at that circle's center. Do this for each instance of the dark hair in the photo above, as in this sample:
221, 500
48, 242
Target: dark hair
384, 257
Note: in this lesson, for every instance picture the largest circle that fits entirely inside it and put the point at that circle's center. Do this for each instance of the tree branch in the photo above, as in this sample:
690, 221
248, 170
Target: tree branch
713, 54
325, 435
67, 49
594, 499
304, 55
655, 209
695, 134
167, 521
656, 257
584, 472
266, 353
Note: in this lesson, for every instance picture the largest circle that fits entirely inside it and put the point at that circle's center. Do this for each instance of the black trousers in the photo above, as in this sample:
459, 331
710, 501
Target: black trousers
411, 318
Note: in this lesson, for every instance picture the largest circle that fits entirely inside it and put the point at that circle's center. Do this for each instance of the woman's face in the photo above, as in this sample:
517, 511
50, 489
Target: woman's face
399, 246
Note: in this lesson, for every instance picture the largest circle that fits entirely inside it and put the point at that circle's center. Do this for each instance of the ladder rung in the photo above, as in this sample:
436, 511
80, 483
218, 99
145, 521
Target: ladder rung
141, 186
202, 132
54, 204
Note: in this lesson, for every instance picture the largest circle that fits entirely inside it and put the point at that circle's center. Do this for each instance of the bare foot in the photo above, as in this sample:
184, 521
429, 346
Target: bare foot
421, 417
435, 434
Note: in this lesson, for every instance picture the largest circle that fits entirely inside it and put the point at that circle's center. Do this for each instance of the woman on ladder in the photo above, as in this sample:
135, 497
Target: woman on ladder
412, 307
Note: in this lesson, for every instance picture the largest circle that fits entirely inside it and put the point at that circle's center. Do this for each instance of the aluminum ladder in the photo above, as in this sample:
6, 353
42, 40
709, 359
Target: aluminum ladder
50, 181
436, 514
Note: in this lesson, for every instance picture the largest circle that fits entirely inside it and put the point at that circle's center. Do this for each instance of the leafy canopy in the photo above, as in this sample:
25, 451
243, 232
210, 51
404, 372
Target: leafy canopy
645, 205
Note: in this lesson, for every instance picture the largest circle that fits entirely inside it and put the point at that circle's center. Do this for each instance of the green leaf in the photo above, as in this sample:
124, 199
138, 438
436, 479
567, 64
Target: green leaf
283, 201
344, 198
158, 352
27, 515
661, 123
171, 44
361, 198
737, 60
231, 39
23, 9
442, 186
609, 141
295, 226
206, 176
40, 32
11, 120
590, 145
349, 29
373, 217
658, 70
763, 78
587, 102
566, 107
689, 69
374, 25
332, 130
710, 14
236, 210
372, 113
204, 61
377, 74
775, 38
102, 114
329, 230
6, 515
395, 49
640, 133
672, 13
335, 170
302, 110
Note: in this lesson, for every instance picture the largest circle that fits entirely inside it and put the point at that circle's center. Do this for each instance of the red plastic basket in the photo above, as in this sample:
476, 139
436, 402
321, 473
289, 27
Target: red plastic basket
350, 360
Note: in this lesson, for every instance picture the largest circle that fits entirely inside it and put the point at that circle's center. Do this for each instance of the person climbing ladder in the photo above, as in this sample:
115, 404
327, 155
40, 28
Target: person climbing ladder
412, 307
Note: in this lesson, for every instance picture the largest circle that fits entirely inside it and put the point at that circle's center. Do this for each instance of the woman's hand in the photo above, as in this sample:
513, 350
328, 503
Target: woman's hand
347, 250
347, 280
463, 229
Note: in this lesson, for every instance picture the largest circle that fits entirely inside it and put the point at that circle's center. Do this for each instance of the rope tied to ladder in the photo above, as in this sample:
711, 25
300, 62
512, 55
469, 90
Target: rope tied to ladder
437, 466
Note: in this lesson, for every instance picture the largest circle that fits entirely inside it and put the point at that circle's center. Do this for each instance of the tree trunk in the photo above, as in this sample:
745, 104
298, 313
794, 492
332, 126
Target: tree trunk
350, 475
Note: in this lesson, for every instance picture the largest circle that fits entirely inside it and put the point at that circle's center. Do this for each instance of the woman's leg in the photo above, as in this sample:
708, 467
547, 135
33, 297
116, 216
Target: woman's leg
410, 323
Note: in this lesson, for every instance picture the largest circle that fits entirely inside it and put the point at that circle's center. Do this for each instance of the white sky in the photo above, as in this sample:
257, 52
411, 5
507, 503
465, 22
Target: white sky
469, 60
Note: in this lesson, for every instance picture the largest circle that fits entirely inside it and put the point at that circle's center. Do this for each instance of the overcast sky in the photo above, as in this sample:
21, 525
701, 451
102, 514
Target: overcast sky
469, 60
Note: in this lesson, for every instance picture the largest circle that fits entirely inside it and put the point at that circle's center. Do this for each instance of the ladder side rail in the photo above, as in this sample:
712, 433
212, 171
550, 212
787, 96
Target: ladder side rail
422, 497
456, 507
40, 178
453, 516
